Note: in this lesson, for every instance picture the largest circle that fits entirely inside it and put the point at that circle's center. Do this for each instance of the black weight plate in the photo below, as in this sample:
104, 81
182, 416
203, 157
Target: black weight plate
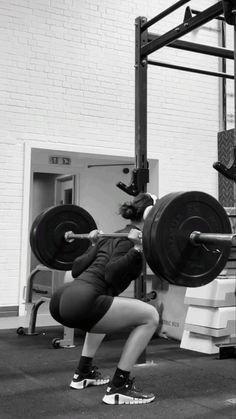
33, 241
47, 235
147, 236
170, 253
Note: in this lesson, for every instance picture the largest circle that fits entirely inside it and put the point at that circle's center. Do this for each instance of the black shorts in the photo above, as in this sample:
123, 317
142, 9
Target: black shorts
81, 304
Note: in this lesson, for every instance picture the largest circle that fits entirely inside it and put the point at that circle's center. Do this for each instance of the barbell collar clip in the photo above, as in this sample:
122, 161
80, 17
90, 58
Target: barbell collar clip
197, 238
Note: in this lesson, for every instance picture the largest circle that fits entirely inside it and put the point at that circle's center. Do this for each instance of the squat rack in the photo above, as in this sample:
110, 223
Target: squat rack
145, 44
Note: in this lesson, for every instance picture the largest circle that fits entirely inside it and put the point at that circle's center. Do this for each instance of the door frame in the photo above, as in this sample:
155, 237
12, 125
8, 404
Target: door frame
29, 146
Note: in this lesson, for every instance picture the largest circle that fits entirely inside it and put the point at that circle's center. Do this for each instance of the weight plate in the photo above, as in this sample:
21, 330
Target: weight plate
166, 241
147, 247
33, 242
47, 235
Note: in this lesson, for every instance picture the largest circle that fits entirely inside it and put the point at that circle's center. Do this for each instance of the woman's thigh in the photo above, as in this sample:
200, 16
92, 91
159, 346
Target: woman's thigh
125, 312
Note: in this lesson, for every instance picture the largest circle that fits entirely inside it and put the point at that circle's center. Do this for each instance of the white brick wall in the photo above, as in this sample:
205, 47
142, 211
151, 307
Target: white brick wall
67, 76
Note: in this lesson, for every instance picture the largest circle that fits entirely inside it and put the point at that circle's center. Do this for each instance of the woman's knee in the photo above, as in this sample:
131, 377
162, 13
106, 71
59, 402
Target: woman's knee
152, 316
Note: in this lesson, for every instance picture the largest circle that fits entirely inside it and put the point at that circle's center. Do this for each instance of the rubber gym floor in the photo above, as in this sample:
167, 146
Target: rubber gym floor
35, 380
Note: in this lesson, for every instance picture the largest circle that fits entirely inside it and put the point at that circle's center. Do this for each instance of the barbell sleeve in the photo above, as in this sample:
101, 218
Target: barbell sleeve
197, 238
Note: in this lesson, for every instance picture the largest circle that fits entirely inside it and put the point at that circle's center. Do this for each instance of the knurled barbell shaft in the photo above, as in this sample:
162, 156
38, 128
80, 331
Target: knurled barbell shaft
197, 238
69, 235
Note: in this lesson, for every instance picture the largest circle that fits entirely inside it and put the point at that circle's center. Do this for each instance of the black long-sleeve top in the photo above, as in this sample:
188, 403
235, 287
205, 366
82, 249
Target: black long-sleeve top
112, 260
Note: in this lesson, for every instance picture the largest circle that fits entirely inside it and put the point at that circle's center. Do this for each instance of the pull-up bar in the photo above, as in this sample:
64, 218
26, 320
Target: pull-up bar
163, 14
199, 48
192, 70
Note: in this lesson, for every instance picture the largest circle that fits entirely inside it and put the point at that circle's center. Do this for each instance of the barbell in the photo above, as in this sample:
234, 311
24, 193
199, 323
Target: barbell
187, 237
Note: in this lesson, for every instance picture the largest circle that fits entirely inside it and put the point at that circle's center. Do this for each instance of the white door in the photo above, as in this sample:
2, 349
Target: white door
65, 190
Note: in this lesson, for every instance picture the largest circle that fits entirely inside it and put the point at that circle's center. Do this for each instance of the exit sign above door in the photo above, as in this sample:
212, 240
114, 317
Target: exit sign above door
59, 160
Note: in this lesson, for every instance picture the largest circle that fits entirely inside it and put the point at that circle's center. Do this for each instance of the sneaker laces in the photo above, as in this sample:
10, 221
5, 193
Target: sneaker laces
95, 371
130, 384
133, 386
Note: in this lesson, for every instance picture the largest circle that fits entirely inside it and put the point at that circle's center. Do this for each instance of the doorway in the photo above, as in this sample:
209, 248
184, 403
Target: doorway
49, 190
65, 190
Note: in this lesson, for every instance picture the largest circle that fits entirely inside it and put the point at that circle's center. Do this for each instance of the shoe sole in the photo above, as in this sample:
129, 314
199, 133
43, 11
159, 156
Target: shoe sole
86, 383
122, 399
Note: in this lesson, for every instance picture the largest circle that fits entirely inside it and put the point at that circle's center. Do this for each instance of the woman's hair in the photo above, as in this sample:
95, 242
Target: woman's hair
134, 210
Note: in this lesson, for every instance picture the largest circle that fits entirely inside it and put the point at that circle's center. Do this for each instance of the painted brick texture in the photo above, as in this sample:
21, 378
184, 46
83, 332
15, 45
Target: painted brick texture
67, 76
